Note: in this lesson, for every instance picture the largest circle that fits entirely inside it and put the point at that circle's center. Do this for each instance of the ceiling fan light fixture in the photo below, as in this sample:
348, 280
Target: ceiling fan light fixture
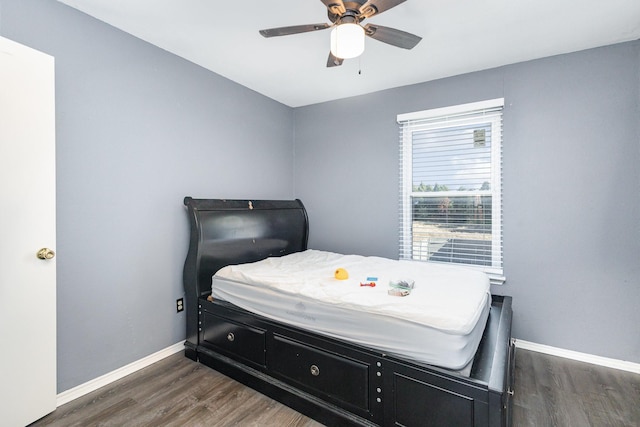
347, 40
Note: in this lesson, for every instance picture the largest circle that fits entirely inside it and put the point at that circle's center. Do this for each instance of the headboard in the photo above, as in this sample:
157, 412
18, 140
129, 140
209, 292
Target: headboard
225, 232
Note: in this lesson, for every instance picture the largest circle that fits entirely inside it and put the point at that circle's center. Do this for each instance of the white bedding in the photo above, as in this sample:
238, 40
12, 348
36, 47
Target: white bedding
440, 322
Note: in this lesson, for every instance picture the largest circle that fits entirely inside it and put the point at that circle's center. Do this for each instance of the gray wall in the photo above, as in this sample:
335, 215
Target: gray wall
571, 187
137, 130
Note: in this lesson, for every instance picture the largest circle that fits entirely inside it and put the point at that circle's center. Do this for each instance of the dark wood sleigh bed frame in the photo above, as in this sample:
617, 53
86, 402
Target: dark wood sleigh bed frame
332, 381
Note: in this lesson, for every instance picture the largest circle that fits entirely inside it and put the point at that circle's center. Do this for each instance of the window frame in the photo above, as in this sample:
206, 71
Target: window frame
489, 111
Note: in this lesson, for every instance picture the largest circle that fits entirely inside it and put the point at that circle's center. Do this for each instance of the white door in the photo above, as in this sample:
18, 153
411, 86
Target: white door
27, 224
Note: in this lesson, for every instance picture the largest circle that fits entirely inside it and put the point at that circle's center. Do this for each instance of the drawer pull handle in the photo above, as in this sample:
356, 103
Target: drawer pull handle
230, 336
315, 371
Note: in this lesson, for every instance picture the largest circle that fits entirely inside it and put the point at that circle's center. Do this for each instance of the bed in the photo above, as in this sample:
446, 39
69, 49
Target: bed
273, 340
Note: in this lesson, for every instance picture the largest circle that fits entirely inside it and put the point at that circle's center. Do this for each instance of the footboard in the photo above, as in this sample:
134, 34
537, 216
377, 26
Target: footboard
426, 396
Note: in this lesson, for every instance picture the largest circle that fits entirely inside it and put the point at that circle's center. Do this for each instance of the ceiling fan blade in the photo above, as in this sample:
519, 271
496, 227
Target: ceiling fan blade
335, 7
375, 7
334, 61
295, 29
392, 36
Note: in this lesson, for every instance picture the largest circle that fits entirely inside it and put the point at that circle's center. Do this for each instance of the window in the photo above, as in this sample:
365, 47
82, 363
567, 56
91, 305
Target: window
451, 186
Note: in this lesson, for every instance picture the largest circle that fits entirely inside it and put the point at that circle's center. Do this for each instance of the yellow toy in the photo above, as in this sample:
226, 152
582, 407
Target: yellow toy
341, 274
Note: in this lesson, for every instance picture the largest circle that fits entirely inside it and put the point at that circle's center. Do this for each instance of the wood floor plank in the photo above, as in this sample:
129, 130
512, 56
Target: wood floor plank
552, 391
549, 391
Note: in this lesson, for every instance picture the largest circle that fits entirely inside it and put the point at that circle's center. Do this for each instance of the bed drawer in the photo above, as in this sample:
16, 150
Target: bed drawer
234, 339
342, 379
422, 398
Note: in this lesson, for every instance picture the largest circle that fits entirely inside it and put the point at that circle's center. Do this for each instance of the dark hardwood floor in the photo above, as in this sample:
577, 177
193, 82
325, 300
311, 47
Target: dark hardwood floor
553, 391
549, 391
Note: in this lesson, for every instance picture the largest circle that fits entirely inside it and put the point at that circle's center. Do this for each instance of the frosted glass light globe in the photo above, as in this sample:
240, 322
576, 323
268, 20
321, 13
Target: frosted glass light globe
347, 41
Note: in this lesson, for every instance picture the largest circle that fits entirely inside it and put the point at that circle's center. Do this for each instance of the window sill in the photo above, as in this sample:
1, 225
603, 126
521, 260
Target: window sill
496, 280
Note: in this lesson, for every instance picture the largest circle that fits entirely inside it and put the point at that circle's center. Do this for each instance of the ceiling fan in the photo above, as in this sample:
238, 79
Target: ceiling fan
347, 36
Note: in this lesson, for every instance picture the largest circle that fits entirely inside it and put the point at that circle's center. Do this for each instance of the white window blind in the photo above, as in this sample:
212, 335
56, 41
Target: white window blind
451, 186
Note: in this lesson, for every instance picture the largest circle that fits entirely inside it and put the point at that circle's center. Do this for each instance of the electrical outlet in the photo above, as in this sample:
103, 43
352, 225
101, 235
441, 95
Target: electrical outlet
180, 305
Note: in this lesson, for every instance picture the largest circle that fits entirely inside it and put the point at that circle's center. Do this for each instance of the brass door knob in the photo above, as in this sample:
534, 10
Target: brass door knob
45, 253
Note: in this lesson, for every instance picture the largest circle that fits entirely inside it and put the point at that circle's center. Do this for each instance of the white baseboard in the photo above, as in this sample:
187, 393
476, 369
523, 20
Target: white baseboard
582, 357
78, 391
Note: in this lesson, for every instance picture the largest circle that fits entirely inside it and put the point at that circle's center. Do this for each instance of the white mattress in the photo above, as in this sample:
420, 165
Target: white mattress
441, 322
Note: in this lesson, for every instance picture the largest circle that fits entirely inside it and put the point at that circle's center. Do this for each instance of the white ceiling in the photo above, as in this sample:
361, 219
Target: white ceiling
459, 36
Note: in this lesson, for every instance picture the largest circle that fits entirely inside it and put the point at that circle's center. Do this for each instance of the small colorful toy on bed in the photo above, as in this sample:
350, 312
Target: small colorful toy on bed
405, 284
400, 287
341, 274
370, 281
